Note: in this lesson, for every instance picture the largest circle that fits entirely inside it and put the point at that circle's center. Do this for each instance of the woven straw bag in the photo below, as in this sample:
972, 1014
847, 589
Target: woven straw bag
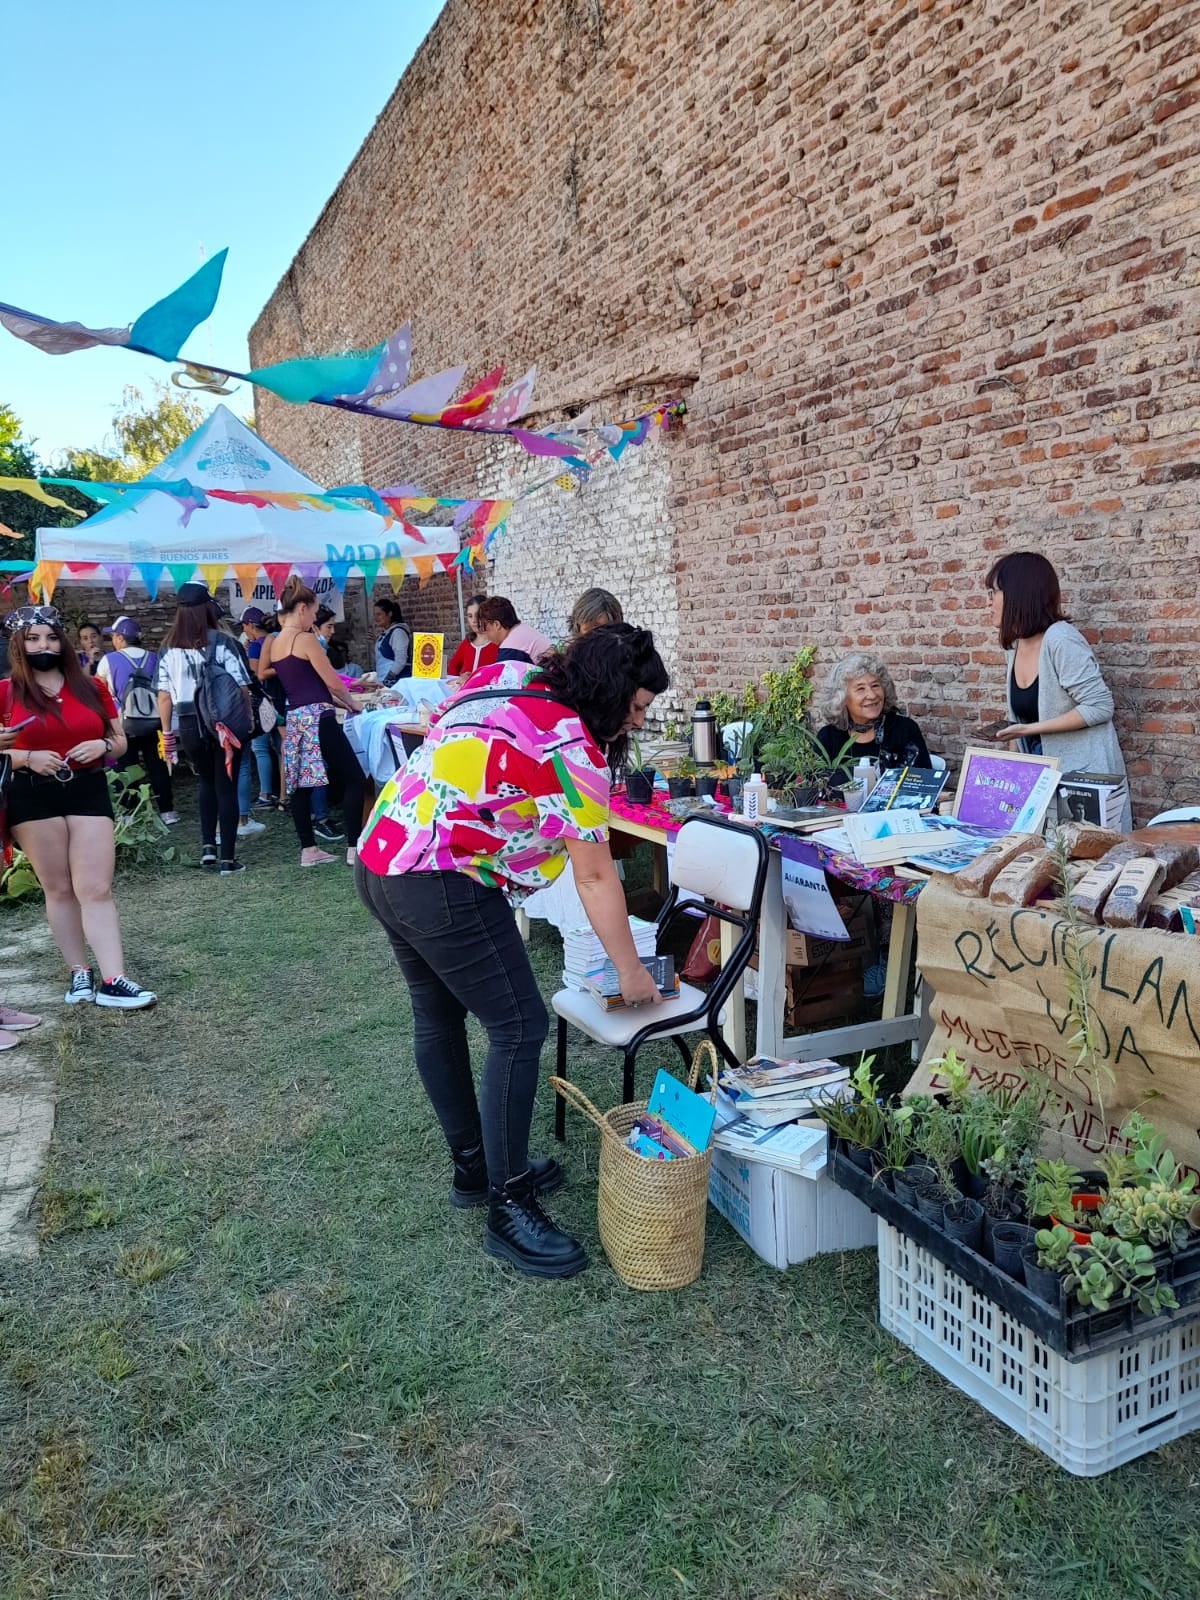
652, 1213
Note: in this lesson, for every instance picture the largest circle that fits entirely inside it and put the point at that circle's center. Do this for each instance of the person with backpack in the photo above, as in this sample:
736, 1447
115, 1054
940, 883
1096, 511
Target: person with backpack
316, 752
393, 643
131, 673
202, 675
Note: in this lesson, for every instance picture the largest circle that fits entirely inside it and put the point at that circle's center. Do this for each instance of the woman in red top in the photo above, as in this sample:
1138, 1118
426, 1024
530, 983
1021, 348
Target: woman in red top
476, 650
58, 807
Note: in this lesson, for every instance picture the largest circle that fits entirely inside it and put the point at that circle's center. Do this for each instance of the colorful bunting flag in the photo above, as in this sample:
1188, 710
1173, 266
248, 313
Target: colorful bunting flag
118, 576
277, 575
181, 573
424, 566
48, 572
247, 579
150, 573
370, 571
339, 571
213, 573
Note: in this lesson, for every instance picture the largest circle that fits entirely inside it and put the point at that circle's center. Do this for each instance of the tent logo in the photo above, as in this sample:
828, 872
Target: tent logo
233, 459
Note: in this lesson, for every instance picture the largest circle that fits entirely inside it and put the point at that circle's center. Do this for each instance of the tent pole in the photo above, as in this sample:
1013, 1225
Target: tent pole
462, 615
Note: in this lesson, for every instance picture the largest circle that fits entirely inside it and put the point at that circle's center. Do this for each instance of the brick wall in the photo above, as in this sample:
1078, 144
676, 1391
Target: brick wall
925, 273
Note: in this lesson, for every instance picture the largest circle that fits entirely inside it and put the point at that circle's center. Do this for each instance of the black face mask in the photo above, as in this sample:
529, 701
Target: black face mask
43, 660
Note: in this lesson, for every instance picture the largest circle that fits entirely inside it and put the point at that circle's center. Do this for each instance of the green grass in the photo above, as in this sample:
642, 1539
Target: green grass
260, 1355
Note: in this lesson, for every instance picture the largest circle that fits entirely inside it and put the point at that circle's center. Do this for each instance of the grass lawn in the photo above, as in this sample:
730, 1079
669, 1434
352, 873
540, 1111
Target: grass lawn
261, 1356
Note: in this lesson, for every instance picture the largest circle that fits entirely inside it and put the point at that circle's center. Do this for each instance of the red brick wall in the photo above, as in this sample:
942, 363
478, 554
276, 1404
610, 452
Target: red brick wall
926, 274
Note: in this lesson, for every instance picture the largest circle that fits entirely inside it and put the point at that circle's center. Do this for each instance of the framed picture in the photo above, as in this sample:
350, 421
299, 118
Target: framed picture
999, 790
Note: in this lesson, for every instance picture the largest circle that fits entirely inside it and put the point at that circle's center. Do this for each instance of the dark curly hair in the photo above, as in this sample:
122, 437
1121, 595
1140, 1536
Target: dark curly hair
598, 675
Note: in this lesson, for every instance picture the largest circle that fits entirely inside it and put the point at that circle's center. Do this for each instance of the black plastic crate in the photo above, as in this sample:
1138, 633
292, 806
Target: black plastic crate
1074, 1332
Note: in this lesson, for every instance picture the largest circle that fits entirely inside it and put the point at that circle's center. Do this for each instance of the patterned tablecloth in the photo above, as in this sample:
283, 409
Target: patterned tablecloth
881, 882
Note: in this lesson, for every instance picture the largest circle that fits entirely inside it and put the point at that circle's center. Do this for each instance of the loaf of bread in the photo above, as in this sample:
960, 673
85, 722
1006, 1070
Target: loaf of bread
1178, 859
1165, 910
1139, 882
1087, 897
976, 877
1124, 852
1085, 841
1023, 879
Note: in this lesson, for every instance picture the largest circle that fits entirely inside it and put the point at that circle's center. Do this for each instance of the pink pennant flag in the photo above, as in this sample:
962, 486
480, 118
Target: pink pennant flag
277, 575
509, 406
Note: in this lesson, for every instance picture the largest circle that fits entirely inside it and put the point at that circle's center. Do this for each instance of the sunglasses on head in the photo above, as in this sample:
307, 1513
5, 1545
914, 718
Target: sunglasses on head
32, 617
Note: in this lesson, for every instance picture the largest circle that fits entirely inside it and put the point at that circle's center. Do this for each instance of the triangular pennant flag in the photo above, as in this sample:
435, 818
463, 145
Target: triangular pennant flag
49, 571
307, 571
247, 578
370, 571
394, 567
163, 330
424, 566
118, 576
446, 562
181, 573
150, 573
73, 567
277, 575
339, 571
213, 573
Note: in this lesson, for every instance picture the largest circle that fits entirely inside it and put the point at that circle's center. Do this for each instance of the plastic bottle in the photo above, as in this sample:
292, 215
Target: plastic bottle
754, 798
865, 772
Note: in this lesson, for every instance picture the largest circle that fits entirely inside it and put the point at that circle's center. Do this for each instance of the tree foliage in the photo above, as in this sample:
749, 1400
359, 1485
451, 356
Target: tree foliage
19, 459
143, 434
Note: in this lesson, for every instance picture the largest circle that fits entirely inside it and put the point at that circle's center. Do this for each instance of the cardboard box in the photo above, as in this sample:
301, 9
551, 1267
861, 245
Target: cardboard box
1097, 797
803, 950
784, 1217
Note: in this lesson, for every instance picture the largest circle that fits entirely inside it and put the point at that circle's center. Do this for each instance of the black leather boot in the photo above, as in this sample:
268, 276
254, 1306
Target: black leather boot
520, 1232
470, 1186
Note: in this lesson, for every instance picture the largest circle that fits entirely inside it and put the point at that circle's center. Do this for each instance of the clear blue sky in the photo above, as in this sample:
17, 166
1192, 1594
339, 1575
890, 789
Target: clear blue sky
142, 137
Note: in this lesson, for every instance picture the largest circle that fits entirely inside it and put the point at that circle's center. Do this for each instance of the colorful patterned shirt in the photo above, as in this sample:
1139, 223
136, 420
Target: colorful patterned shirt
494, 791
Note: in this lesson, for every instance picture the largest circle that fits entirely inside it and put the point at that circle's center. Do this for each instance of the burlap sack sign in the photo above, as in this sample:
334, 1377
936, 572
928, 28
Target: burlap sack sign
1000, 999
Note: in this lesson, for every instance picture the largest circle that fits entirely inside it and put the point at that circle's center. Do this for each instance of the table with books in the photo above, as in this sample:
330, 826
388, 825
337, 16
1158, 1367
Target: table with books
657, 826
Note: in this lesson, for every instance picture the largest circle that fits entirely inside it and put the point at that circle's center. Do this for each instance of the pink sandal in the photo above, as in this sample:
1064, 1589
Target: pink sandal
18, 1021
8, 1041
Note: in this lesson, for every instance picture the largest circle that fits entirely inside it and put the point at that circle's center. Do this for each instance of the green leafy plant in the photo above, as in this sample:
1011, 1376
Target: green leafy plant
1054, 1247
19, 881
859, 1121
897, 1141
635, 761
940, 1142
1050, 1188
685, 767
1157, 1215
1078, 974
1098, 1270
139, 832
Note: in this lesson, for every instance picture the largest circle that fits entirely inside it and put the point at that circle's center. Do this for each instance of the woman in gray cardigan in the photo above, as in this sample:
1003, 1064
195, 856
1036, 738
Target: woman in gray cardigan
1059, 703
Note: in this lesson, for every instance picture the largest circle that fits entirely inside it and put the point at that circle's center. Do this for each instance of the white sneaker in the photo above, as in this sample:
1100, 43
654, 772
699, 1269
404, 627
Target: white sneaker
82, 991
245, 829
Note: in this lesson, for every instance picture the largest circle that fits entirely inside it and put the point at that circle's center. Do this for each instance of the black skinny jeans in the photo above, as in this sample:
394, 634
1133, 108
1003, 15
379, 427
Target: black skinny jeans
217, 796
345, 779
458, 947
143, 752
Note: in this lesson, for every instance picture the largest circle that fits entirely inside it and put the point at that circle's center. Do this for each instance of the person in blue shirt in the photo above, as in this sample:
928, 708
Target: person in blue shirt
393, 642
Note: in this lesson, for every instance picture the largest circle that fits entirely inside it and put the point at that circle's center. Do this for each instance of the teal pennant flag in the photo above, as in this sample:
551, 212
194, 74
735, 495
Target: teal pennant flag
163, 330
316, 377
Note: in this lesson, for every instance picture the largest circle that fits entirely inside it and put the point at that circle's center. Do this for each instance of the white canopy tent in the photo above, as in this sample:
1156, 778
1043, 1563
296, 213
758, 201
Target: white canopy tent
148, 530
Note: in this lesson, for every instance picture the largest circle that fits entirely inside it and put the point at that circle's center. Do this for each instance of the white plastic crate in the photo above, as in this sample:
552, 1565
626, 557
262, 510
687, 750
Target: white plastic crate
1088, 1416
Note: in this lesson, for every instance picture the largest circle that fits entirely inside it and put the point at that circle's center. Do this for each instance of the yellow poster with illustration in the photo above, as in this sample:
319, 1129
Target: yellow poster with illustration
427, 654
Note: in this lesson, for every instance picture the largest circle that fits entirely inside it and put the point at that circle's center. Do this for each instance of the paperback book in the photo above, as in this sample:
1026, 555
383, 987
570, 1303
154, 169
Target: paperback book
605, 986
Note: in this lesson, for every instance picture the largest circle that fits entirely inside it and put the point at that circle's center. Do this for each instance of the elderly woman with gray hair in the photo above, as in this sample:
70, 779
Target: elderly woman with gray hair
859, 699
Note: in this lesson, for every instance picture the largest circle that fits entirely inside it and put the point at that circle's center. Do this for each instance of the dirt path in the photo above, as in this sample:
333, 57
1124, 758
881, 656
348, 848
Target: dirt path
26, 1093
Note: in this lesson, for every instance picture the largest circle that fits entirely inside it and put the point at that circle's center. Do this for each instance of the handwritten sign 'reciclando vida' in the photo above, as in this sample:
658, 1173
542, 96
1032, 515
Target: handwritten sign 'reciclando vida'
1001, 1000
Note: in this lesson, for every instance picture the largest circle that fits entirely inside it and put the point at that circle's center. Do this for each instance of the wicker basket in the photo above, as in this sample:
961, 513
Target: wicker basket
652, 1213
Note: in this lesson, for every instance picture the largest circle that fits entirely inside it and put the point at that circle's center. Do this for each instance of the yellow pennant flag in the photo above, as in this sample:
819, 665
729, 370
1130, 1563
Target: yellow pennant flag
48, 572
424, 566
213, 573
394, 567
34, 490
247, 577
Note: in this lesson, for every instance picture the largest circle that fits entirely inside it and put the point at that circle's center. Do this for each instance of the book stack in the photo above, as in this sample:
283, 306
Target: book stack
605, 986
584, 957
800, 1147
768, 1092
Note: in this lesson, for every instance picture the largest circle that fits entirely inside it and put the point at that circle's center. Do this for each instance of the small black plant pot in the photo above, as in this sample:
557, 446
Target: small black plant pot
1041, 1281
707, 786
862, 1157
733, 788
1008, 1241
974, 1185
963, 1220
932, 1201
916, 1175
639, 787
680, 788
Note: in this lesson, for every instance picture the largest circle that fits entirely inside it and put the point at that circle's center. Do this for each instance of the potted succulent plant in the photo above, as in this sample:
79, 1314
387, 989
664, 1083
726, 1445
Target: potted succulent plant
639, 776
681, 779
1046, 1262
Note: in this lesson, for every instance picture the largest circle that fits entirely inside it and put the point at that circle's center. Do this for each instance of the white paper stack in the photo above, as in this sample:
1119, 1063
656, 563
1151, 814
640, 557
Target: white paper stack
584, 955
794, 1147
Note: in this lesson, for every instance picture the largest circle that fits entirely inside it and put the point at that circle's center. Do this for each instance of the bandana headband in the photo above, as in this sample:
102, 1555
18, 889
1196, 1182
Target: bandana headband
32, 617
